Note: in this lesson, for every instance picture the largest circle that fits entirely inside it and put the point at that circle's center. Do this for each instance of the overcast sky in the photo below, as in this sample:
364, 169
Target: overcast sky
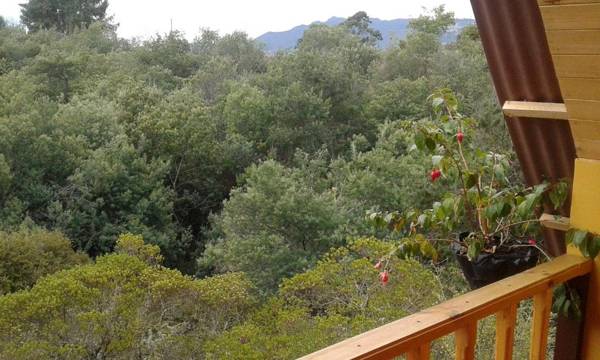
143, 18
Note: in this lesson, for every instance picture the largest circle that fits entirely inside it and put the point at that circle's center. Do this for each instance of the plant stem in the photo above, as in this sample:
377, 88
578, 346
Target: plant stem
507, 226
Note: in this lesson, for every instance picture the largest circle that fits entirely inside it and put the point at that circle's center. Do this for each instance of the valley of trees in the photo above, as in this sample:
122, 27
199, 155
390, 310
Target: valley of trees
177, 199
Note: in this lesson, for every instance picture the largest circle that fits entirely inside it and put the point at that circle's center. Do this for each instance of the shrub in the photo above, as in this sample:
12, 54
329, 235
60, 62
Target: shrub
340, 297
26, 256
120, 308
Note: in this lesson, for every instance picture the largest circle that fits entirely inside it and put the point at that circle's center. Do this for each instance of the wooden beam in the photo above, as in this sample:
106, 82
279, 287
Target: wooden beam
555, 222
538, 110
401, 336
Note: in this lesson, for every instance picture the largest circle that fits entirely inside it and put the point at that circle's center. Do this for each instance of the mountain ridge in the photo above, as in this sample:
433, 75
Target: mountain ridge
394, 29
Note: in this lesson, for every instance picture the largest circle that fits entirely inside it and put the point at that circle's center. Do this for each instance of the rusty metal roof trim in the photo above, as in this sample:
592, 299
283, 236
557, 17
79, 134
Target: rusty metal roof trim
516, 48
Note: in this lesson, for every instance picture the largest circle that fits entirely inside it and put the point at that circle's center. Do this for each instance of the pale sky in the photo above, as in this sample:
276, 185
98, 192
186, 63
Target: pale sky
144, 18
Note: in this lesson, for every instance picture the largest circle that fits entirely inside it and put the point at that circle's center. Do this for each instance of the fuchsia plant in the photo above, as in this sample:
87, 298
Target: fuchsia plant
484, 210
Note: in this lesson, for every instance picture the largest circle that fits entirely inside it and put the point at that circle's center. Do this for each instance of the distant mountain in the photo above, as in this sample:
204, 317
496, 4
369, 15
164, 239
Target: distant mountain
390, 30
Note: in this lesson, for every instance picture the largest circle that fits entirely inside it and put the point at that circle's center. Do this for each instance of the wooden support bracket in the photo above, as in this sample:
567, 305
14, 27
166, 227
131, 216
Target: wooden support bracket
538, 110
555, 222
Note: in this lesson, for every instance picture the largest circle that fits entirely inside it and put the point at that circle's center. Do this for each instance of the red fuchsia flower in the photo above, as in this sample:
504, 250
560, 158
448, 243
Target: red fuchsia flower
384, 277
459, 137
435, 174
532, 242
378, 265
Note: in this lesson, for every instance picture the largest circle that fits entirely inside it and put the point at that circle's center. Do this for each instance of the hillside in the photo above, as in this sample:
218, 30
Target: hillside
390, 29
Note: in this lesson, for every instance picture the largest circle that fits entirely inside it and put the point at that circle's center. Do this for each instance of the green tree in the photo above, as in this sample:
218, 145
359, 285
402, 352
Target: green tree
115, 190
399, 99
277, 220
204, 160
5, 178
243, 51
359, 25
59, 70
64, 16
171, 52
387, 176
27, 255
436, 23
413, 57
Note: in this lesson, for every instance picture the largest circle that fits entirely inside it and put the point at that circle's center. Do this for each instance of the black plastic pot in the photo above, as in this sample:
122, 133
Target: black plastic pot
489, 268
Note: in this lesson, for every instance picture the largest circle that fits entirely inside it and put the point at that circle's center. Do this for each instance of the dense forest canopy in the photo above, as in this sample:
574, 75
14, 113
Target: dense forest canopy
125, 164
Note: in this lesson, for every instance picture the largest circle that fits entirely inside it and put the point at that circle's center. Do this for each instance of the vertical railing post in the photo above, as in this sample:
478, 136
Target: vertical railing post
506, 320
542, 305
420, 353
465, 339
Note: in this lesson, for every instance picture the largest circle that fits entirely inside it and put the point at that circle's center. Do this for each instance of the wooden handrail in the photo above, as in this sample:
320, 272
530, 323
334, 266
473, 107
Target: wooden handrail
460, 315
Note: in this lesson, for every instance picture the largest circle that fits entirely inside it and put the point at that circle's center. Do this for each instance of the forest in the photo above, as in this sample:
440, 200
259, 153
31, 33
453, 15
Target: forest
177, 199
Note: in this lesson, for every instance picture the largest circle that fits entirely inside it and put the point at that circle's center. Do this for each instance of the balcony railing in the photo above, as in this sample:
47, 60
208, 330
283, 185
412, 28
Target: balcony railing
412, 335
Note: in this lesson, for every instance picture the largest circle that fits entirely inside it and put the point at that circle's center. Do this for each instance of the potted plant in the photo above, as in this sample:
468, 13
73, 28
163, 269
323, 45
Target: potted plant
487, 219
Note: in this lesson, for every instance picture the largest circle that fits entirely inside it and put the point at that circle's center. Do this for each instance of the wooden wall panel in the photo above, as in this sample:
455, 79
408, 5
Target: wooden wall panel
577, 66
586, 135
566, 2
584, 89
574, 42
573, 33
583, 110
571, 17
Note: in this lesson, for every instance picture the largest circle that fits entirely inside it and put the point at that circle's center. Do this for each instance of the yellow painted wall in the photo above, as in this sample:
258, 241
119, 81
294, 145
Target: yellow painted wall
585, 215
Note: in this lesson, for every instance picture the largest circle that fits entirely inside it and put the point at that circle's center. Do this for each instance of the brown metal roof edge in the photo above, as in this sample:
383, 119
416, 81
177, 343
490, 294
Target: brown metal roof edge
516, 48
515, 44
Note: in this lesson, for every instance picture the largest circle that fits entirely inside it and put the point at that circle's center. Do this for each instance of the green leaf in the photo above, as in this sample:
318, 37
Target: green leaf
448, 204
506, 209
474, 249
593, 246
499, 172
430, 143
539, 189
579, 238
420, 141
480, 153
558, 195
427, 249
491, 212
525, 209
471, 180
440, 214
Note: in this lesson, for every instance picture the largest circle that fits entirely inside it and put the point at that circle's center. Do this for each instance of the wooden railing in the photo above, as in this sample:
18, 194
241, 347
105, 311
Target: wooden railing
413, 335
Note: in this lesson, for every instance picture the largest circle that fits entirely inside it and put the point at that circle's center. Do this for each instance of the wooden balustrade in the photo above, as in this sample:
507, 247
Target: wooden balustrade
413, 334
